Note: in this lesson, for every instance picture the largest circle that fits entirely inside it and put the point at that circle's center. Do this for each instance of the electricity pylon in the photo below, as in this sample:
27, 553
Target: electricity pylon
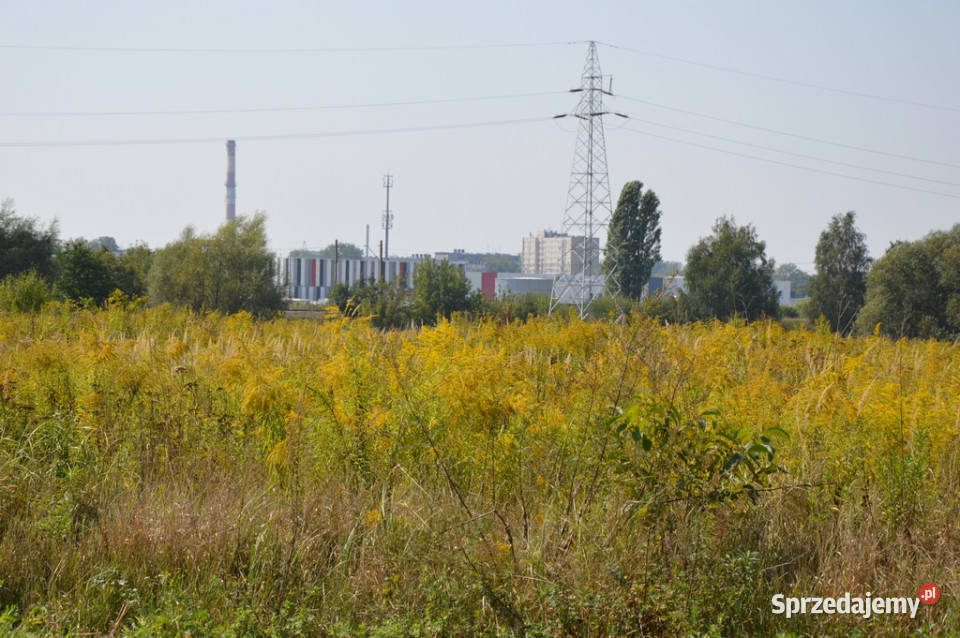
589, 209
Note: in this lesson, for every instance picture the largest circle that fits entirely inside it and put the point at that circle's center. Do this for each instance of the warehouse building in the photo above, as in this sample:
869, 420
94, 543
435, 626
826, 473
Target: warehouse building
313, 278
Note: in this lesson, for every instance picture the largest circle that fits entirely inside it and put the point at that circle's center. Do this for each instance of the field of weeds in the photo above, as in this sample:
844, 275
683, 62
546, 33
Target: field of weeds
163, 472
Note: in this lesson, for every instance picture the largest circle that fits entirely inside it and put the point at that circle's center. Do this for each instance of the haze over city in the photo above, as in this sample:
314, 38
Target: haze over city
854, 74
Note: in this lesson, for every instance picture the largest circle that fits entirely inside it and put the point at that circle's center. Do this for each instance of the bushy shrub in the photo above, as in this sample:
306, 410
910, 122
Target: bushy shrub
26, 292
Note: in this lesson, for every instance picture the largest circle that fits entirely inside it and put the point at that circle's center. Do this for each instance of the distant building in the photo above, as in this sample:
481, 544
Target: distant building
552, 253
312, 278
467, 261
494, 285
674, 285
521, 284
671, 285
502, 284
480, 262
783, 292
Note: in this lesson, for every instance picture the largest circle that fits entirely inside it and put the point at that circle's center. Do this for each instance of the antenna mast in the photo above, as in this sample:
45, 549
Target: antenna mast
387, 216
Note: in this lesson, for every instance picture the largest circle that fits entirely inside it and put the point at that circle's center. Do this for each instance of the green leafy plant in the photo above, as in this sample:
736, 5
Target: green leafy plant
666, 457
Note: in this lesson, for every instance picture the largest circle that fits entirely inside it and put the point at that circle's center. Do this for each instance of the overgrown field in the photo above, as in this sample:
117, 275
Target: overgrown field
163, 472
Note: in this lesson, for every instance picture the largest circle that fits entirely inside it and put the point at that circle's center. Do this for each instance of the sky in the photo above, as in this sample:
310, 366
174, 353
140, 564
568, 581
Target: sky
710, 89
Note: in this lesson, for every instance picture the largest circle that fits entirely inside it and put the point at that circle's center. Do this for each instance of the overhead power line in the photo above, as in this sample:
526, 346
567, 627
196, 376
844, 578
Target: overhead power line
789, 165
798, 136
783, 80
803, 155
277, 109
279, 136
297, 50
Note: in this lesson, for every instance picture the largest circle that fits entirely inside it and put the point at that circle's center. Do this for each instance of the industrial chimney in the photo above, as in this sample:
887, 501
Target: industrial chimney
231, 179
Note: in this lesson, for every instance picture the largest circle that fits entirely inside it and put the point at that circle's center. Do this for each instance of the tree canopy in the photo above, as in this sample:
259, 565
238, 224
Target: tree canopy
24, 244
838, 289
633, 243
439, 289
85, 273
728, 274
387, 304
229, 271
914, 289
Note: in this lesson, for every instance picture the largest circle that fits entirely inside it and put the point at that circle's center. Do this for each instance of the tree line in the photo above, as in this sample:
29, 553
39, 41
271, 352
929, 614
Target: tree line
913, 290
228, 271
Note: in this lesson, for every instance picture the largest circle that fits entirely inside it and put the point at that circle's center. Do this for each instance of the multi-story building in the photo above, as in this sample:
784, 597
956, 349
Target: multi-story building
553, 253
313, 278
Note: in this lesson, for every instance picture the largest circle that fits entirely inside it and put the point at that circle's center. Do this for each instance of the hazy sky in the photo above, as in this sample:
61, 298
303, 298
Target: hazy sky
480, 188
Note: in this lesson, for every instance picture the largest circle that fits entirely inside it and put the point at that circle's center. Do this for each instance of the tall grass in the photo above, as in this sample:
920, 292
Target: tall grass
163, 472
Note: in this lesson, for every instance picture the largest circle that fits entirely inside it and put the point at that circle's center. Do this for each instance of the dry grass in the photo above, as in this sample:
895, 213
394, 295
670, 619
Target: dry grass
164, 473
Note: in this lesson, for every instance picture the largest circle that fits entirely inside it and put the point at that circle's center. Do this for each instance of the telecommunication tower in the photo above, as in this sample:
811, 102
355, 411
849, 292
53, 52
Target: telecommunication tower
387, 216
588, 210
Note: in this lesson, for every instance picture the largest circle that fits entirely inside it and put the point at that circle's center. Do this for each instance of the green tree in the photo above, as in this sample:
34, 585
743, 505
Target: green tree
178, 272
24, 244
87, 271
134, 269
838, 289
84, 273
439, 289
728, 274
387, 304
230, 271
633, 244
26, 292
914, 289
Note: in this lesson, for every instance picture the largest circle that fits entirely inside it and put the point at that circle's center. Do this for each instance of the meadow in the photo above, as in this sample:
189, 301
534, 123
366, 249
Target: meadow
164, 472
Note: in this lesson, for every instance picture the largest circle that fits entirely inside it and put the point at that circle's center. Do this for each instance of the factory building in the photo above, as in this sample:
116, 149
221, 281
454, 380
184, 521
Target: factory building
313, 278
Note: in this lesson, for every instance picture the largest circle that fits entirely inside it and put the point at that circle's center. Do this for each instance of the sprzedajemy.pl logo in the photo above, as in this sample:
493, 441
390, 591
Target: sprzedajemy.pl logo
864, 606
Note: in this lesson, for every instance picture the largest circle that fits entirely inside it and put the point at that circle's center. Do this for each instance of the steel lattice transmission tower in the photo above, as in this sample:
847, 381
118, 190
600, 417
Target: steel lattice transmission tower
589, 207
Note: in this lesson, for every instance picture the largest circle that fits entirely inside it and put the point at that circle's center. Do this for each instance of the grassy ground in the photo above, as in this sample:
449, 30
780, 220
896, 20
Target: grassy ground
164, 473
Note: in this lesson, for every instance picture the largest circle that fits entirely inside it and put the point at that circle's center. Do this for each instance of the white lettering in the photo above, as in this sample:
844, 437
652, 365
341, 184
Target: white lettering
866, 607
857, 607
843, 604
897, 605
878, 606
777, 603
793, 606
914, 605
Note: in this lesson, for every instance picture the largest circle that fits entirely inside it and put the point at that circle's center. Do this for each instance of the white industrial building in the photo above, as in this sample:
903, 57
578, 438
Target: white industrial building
312, 278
